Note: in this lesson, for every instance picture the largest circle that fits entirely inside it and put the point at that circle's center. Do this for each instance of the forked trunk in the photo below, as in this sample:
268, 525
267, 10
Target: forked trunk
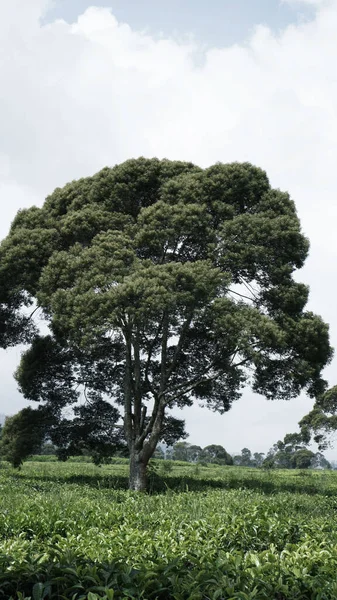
138, 477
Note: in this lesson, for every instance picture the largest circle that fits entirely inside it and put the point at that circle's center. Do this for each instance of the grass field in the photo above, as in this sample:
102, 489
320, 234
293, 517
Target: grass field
73, 531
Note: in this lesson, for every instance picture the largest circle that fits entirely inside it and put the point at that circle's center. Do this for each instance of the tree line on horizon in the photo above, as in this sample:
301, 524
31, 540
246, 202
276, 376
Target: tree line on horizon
290, 453
18, 441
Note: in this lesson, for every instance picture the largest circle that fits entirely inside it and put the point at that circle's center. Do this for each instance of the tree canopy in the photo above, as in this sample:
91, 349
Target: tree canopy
162, 284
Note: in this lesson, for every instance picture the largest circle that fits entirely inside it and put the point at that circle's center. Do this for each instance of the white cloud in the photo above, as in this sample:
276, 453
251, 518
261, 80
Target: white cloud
317, 3
76, 97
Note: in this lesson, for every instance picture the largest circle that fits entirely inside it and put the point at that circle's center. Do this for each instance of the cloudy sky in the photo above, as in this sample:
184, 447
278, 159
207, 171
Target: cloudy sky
85, 86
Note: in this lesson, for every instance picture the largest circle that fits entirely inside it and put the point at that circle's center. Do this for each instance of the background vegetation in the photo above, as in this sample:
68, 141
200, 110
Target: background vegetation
73, 530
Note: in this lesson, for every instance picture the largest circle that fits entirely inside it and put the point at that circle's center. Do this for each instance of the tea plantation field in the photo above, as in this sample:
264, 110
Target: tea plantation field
205, 533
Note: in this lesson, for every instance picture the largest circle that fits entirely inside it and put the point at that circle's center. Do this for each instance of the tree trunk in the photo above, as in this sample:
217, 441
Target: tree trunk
138, 476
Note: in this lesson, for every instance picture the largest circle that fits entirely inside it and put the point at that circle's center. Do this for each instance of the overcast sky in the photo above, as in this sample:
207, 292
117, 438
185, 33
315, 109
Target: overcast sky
87, 86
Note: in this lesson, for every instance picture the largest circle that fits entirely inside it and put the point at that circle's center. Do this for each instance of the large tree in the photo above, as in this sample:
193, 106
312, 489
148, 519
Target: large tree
162, 283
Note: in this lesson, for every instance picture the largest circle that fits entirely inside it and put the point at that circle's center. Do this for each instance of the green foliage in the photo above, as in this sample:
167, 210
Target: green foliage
47, 449
69, 531
91, 432
166, 467
303, 459
162, 283
22, 435
180, 451
258, 459
291, 453
214, 453
321, 422
159, 453
244, 459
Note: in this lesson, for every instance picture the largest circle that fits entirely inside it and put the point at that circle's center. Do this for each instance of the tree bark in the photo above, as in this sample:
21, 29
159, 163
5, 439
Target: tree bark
138, 475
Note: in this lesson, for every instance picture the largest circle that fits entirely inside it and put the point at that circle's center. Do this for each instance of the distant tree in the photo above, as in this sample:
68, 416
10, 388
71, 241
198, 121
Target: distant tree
183, 451
280, 455
194, 453
22, 435
269, 462
169, 453
180, 451
283, 459
159, 453
162, 284
292, 453
321, 422
302, 459
47, 449
216, 454
244, 459
258, 459
320, 462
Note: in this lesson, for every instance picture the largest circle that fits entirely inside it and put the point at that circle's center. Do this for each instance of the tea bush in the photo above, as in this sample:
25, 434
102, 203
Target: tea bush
72, 531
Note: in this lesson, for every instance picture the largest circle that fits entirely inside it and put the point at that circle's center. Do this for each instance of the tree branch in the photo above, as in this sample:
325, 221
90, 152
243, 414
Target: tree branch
185, 388
143, 417
150, 445
180, 344
238, 294
250, 288
194, 380
152, 346
163, 374
33, 313
151, 422
137, 386
128, 390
